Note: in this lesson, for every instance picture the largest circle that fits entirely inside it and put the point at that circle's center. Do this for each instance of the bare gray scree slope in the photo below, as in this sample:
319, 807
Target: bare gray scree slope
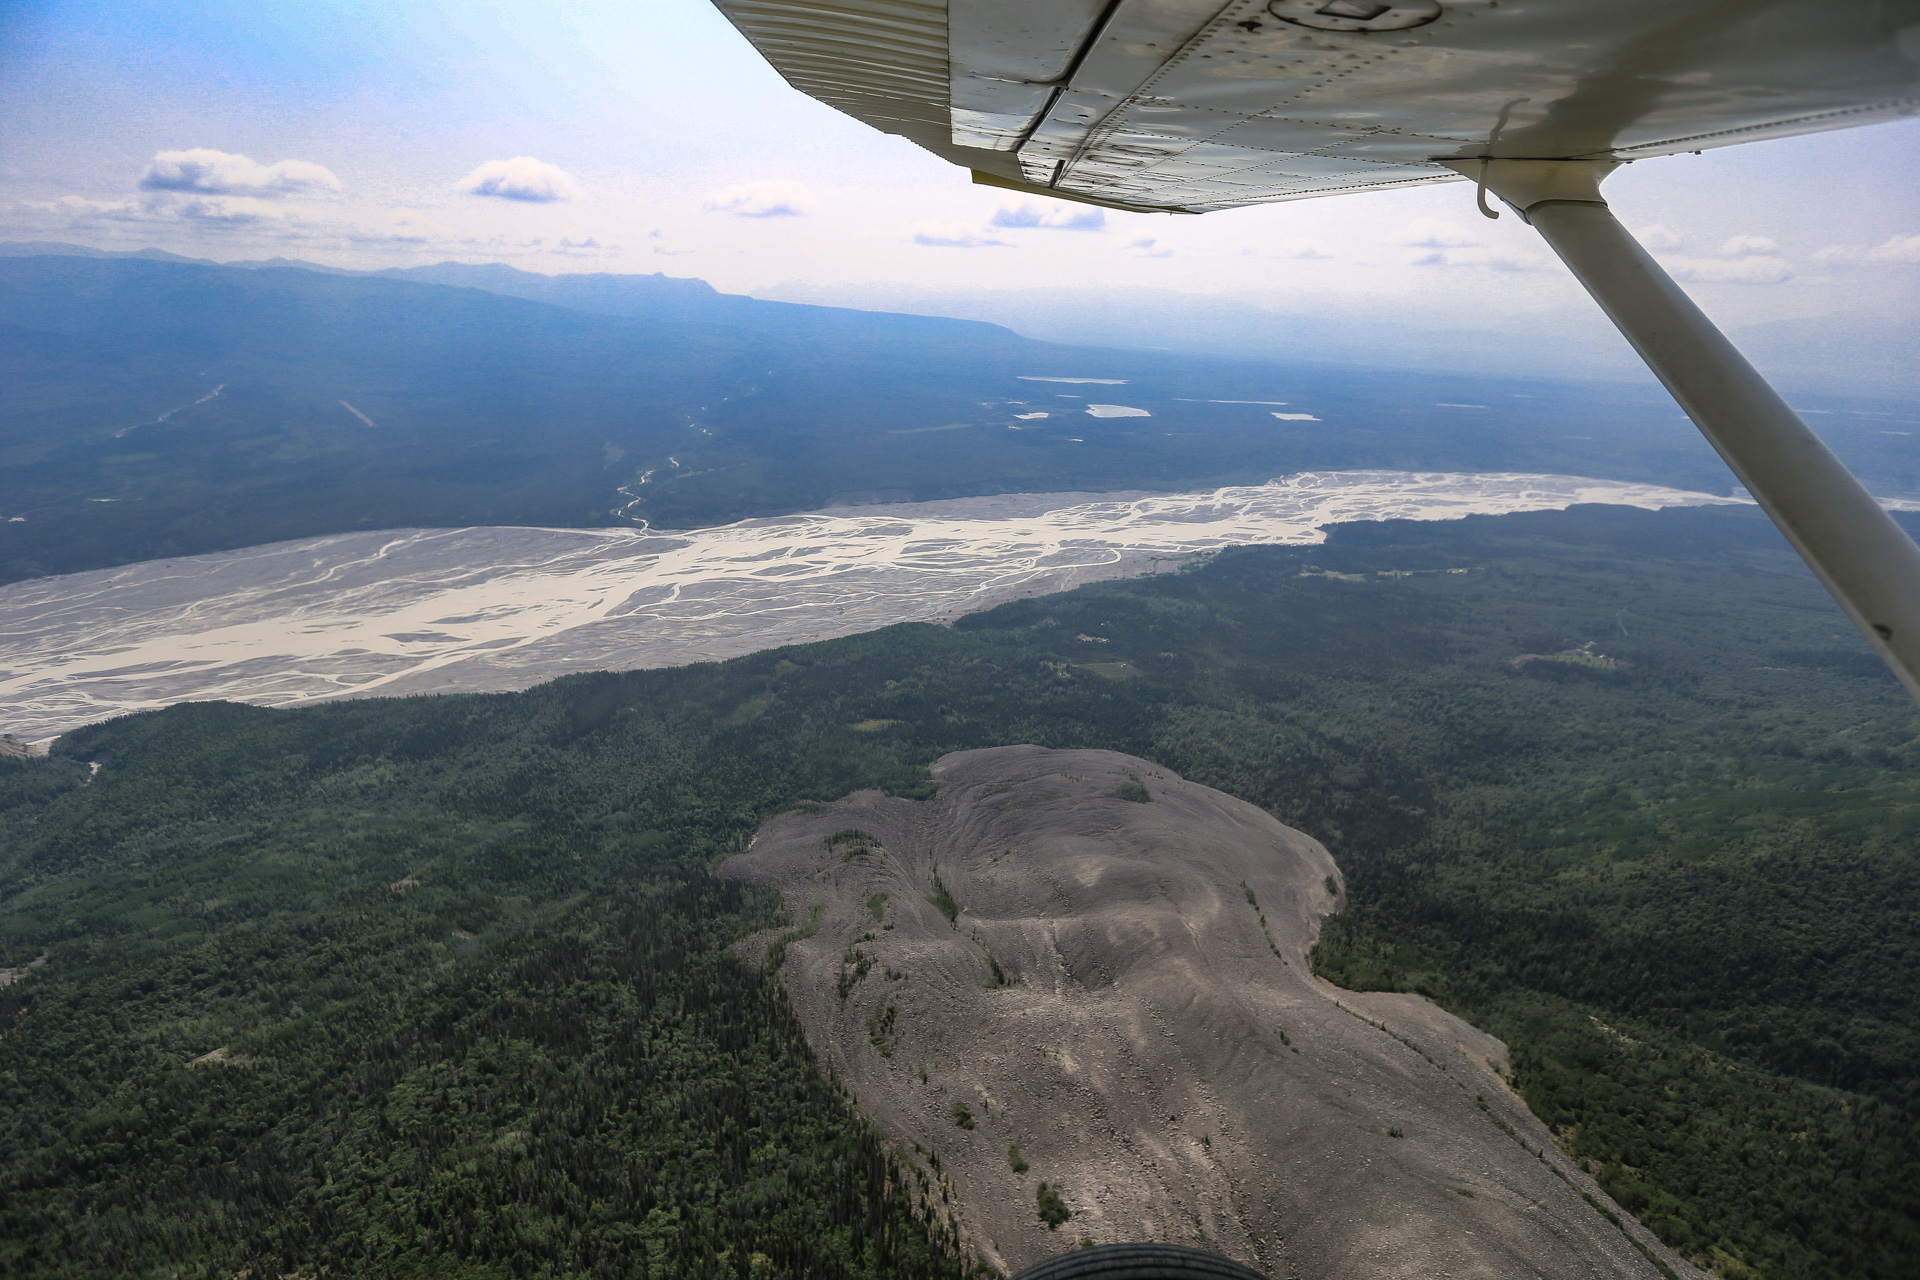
1152, 1039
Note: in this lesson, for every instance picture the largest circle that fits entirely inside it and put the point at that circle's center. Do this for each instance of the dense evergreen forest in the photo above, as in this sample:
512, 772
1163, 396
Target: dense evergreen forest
442, 987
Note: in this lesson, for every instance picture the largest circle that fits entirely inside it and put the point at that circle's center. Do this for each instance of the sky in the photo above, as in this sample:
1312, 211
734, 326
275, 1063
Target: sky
646, 135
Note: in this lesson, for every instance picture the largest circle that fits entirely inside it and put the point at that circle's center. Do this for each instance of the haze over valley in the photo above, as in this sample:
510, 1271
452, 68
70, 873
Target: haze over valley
155, 408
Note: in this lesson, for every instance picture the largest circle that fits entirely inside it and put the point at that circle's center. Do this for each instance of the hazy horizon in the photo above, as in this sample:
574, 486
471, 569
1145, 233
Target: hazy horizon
1802, 356
603, 137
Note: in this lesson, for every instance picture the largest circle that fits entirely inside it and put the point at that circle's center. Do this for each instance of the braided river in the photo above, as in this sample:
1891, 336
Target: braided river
492, 609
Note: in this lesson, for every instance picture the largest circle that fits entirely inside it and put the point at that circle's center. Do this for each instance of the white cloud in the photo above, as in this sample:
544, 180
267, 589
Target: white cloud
1432, 233
1752, 270
1117, 411
239, 211
406, 225
954, 235
1308, 251
1441, 245
79, 210
190, 218
202, 171
762, 200
1746, 259
1523, 262
229, 211
1899, 249
1050, 217
1149, 249
522, 178
212, 192
1437, 243
1659, 237
661, 250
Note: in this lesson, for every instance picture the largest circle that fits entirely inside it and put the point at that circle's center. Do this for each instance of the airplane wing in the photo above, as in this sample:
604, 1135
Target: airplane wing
1189, 105
1186, 106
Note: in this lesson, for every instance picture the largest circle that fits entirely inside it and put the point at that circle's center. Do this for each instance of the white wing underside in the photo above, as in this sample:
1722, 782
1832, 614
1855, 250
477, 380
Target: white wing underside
1189, 105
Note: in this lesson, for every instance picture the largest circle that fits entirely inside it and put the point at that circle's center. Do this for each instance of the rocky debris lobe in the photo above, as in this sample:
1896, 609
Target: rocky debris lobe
1076, 968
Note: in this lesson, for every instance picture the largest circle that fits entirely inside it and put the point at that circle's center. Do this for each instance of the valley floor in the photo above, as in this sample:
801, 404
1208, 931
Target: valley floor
492, 609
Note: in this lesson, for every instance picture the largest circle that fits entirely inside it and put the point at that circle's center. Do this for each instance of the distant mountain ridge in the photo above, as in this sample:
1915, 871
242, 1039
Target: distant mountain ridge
57, 249
655, 295
651, 296
152, 407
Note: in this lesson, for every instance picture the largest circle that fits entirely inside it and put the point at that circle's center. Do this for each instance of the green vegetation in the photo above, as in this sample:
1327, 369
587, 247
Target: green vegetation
880, 1030
851, 843
1267, 932
1053, 1210
482, 983
943, 900
854, 966
996, 976
1135, 792
1015, 1161
777, 953
877, 906
541, 1056
962, 1116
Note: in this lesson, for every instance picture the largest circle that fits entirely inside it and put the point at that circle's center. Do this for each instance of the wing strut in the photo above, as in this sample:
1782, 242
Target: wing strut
1866, 560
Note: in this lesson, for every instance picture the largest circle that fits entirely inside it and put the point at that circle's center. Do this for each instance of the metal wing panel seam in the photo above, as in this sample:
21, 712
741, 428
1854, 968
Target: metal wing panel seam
1317, 192
1103, 127
877, 60
1899, 106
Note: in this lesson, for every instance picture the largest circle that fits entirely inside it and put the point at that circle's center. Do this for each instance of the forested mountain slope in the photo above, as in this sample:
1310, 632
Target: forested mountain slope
1626, 792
